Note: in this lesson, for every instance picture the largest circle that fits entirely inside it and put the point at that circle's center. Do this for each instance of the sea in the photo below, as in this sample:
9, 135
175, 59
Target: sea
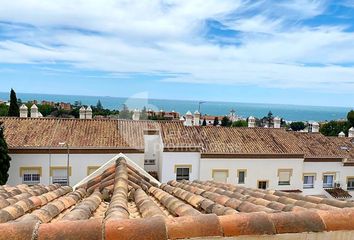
288, 112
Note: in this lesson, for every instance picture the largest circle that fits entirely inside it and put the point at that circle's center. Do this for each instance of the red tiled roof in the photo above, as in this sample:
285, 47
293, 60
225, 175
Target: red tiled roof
121, 203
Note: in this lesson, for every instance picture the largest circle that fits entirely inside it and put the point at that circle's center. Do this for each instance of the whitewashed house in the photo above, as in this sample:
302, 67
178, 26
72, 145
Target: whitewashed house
268, 158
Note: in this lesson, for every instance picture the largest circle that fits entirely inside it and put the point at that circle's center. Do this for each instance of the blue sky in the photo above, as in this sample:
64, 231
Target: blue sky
290, 51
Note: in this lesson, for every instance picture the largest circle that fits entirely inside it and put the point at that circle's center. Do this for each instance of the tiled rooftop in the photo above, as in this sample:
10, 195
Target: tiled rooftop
124, 203
41, 133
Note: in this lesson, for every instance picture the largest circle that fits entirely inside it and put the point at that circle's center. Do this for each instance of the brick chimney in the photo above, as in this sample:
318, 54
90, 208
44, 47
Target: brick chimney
351, 132
251, 122
34, 111
82, 112
196, 120
88, 113
189, 118
136, 115
23, 111
276, 122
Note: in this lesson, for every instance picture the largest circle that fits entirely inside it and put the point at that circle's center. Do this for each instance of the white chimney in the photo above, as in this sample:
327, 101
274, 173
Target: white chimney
23, 111
341, 134
88, 113
196, 120
251, 122
276, 122
315, 127
34, 111
351, 132
189, 118
136, 115
82, 112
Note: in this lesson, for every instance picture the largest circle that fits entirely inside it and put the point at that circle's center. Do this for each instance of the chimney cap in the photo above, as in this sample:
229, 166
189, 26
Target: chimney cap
315, 124
351, 129
341, 134
23, 106
196, 112
277, 118
34, 106
136, 110
189, 113
251, 117
82, 108
89, 109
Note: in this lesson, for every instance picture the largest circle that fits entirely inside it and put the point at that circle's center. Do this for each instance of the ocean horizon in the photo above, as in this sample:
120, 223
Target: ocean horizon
286, 111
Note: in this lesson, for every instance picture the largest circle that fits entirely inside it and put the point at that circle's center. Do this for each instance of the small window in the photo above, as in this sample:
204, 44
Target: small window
350, 183
263, 184
220, 175
328, 180
30, 175
241, 176
309, 181
182, 173
60, 175
149, 162
284, 176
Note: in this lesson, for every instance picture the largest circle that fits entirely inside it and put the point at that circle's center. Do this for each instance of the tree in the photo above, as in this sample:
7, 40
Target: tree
125, 113
143, 114
99, 105
46, 109
4, 109
333, 128
204, 122
350, 117
4, 158
14, 110
225, 122
216, 121
270, 118
297, 126
239, 123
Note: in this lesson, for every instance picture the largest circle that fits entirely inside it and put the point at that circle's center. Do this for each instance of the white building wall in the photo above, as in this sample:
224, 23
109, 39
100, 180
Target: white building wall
342, 172
78, 163
257, 170
170, 159
152, 151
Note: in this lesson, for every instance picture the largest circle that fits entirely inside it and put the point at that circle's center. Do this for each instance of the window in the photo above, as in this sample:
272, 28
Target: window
328, 180
182, 173
30, 175
284, 176
59, 175
262, 184
91, 169
309, 180
350, 183
241, 174
220, 175
149, 162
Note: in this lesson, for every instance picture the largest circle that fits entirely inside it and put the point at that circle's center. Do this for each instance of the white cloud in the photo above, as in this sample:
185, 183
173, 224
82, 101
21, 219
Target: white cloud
273, 50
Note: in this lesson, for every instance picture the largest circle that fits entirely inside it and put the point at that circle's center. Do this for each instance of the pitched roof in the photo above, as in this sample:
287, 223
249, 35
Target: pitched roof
122, 202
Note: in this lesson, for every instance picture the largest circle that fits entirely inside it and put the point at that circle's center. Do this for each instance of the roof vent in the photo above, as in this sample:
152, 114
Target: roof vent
251, 122
196, 120
351, 132
34, 111
82, 112
88, 113
23, 111
341, 134
136, 115
189, 117
276, 121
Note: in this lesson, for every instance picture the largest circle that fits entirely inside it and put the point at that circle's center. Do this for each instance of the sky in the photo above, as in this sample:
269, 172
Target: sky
266, 51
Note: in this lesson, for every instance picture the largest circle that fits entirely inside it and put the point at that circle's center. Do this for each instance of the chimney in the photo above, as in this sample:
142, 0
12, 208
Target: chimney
196, 120
88, 113
189, 117
276, 122
136, 115
251, 122
315, 127
34, 111
341, 134
23, 111
82, 112
351, 132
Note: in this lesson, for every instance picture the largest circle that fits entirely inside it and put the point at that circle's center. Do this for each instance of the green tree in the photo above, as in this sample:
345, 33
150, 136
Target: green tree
125, 113
332, 128
14, 110
239, 123
143, 114
270, 118
297, 126
204, 122
4, 158
46, 109
216, 121
225, 122
99, 105
350, 117
4, 109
